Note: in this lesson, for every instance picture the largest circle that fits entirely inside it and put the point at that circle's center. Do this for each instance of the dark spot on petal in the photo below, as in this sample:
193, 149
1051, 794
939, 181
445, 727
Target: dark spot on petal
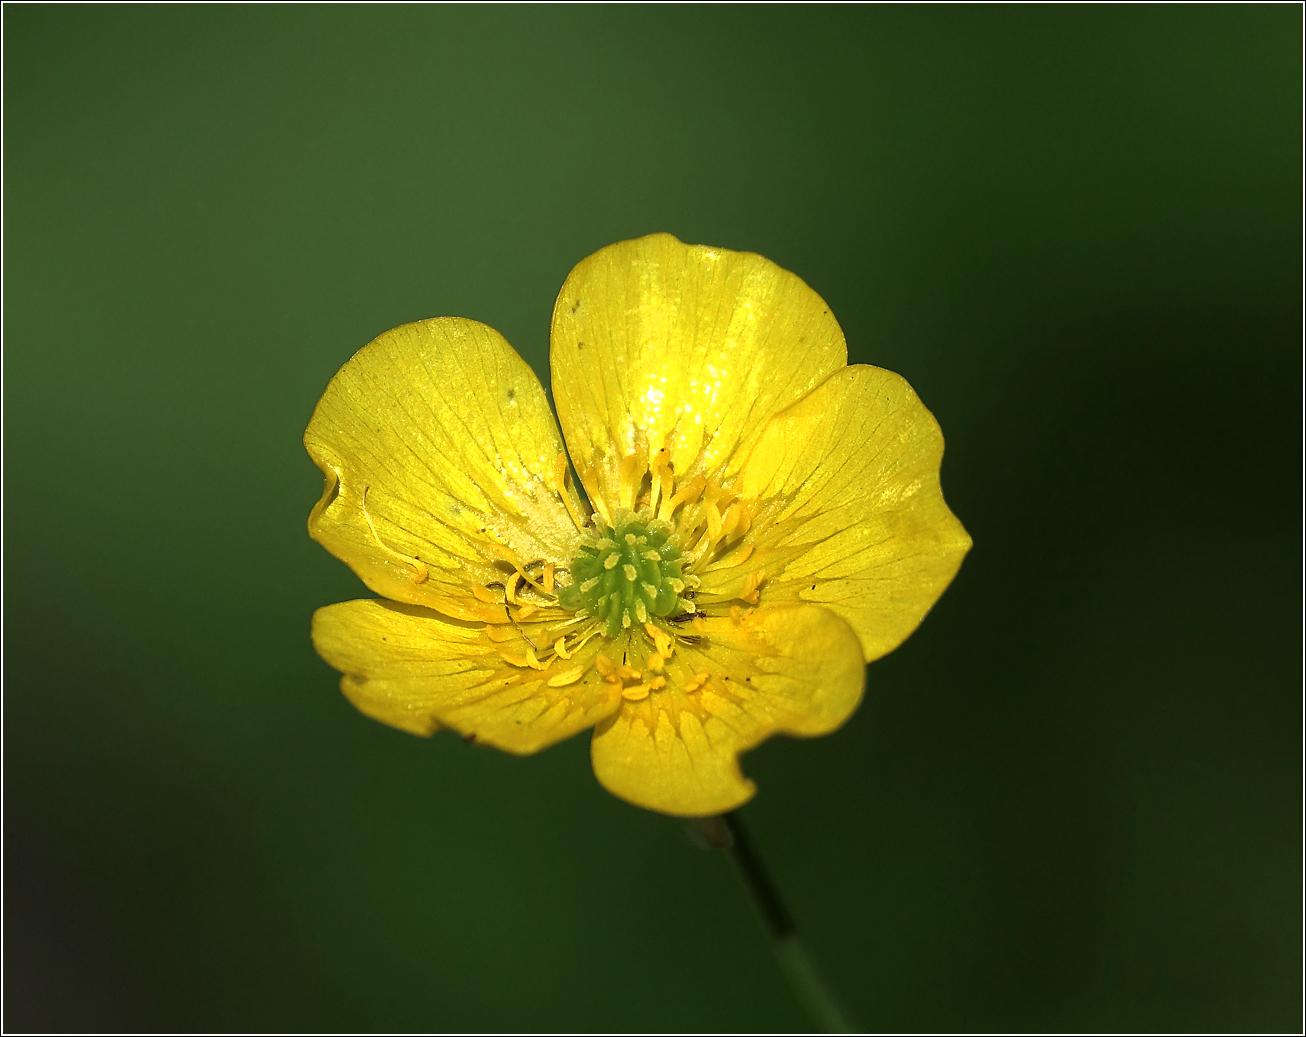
512, 395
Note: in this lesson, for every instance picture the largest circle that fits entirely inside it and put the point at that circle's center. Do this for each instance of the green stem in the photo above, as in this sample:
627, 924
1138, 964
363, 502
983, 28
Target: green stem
727, 832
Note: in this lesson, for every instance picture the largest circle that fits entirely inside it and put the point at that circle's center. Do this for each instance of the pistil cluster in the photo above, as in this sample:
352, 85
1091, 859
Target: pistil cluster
626, 575
632, 578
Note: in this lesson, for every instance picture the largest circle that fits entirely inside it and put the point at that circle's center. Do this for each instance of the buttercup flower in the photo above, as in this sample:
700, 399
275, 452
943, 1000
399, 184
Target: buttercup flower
759, 520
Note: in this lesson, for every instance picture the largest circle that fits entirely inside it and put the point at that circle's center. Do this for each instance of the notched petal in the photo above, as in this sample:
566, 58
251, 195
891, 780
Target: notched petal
441, 461
417, 670
852, 515
793, 670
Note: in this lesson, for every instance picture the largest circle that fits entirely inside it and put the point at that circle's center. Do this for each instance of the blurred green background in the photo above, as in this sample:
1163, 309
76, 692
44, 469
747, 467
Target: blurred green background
1070, 802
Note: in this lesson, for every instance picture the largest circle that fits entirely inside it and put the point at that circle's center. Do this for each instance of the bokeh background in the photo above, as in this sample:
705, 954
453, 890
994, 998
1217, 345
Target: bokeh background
1071, 801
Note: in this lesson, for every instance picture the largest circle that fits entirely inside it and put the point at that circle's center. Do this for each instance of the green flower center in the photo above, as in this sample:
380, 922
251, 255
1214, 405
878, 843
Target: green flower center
626, 576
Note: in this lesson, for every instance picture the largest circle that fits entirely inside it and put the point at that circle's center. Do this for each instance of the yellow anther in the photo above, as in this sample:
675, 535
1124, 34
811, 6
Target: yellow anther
500, 632
743, 554
510, 588
628, 673
560, 648
687, 494
655, 662
420, 571
697, 681
734, 517
630, 571
735, 614
611, 561
660, 466
713, 520
516, 660
486, 595
752, 582
504, 553
607, 670
634, 694
548, 577
661, 639
561, 680
657, 683
525, 611
632, 470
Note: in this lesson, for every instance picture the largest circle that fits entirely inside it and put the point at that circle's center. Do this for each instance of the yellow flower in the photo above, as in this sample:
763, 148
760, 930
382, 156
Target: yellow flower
762, 520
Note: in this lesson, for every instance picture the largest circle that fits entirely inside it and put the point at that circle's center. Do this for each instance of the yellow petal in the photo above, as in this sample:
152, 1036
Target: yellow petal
440, 453
852, 516
660, 344
414, 669
788, 670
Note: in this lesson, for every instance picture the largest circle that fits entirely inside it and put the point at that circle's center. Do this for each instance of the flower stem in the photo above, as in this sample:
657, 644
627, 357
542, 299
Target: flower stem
727, 832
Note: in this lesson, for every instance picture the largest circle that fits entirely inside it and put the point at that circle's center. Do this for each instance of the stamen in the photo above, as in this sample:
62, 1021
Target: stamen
560, 474
713, 521
636, 693
420, 571
660, 639
548, 577
560, 648
607, 670
631, 474
484, 594
752, 583
566, 677
687, 494
697, 681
